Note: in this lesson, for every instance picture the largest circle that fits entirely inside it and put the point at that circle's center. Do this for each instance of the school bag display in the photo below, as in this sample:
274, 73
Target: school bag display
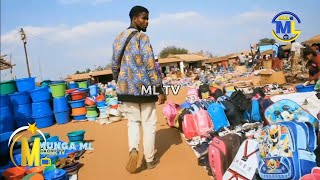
287, 150
245, 163
253, 113
287, 110
239, 100
170, 111
221, 152
202, 121
235, 117
218, 116
204, 91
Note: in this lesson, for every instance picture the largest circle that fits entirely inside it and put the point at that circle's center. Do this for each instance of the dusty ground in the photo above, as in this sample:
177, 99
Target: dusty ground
110, 143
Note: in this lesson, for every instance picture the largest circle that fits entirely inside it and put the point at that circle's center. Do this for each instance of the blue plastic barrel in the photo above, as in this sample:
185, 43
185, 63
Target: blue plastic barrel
5, 113
60, 104
62, 117
20, 98
41, 108
94, 90
26, 84
24, 121
101, 103
80, 117
73, 85
4, 100
23, 110
40, 94
44, 120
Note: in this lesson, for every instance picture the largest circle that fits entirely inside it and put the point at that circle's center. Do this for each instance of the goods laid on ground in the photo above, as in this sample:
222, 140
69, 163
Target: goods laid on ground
248, 135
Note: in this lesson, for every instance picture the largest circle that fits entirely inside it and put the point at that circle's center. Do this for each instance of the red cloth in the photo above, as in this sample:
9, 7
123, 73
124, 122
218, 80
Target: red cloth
277, 64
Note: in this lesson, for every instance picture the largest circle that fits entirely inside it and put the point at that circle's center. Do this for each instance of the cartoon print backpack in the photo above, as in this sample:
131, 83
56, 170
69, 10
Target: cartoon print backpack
287, 150
170, 111
245, 163
192, 95
288, 110
218, 116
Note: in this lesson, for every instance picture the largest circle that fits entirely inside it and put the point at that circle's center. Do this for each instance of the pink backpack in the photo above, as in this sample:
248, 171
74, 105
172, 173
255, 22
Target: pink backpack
189, 127
202, 121
170, 111
192, 95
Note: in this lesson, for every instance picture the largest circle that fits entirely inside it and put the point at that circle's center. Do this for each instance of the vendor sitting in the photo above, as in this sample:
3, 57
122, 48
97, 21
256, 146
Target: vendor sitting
313, 65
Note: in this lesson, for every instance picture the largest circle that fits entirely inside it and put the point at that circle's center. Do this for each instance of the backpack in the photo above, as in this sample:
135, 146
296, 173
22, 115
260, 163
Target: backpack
218, 116
252, 114
204, 91
280, 52
240, 100
170, 111
288, 110
181, 117
235, 117
202, 121
286, 150
245, 163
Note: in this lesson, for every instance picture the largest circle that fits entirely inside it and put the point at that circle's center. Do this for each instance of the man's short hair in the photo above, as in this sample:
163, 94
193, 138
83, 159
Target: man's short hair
136, 10
308, 51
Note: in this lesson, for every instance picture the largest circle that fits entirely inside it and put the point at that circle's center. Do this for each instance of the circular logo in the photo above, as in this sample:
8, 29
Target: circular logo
285, 26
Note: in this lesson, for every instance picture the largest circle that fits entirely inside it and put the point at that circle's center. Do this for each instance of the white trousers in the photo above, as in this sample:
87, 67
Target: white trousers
137, 114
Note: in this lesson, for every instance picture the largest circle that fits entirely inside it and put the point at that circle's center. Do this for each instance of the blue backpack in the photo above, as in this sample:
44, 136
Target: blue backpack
218, 116
252, 114
286, 150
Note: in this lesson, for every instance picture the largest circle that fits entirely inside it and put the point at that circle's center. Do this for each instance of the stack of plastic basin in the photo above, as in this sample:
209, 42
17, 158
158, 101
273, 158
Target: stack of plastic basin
22, 110
26, 84
76, 136
92, 113
42, 114
77, 103
8, 87
7, 122
61, 110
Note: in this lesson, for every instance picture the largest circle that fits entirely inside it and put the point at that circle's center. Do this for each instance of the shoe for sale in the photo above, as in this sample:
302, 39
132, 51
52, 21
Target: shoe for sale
133, 160
153, 164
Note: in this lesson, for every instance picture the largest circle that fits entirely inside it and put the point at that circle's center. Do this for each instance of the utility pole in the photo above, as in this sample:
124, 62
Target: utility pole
11, 69
24, 40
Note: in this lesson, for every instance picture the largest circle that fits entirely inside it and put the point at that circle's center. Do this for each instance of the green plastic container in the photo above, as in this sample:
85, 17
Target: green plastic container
92, 113
8, 87
46, 83
58, 90
91, 108
83, 84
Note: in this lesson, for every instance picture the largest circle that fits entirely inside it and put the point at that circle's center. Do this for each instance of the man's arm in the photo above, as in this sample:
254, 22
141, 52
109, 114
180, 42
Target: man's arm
115, 61
149, 62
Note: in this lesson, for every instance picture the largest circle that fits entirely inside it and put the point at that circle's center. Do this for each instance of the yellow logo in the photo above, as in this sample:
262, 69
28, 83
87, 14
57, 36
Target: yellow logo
29, 158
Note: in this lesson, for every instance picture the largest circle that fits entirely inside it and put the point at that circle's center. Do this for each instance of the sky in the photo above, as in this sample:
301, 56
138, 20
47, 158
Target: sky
64, 36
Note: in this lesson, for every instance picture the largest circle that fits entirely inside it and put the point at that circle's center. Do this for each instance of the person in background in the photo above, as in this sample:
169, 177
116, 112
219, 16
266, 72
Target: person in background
135, 69
313, 65
158, 67
295, 57
242, 59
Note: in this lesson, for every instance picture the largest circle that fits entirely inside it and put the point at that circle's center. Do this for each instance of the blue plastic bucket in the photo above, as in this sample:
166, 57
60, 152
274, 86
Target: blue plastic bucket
40, 94
26, 84
302, 88
7, 125
24, 121
94, 90
20, 98
60, 104
23, 110
4, 150
76, 135
5, 113
101, 103
41, 108
73, 85
44, 120
62, 117
4, 100
77, 104
80, 117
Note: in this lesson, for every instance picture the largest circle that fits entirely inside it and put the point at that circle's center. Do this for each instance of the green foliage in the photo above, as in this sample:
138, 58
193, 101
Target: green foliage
172, 50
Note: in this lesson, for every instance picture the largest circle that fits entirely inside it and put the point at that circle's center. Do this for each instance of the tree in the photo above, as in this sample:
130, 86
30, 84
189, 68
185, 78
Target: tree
172, 50
77, 72
108, 66
266, 41
87, 70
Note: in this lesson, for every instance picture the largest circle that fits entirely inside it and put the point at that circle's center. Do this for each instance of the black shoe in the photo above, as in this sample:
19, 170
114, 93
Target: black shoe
133, 160
153, 164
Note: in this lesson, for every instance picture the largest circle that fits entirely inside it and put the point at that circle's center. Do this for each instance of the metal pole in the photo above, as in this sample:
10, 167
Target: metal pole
24, 40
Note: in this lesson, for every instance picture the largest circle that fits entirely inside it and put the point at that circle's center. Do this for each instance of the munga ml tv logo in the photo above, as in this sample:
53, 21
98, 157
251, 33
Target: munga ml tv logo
286, 26
32, 158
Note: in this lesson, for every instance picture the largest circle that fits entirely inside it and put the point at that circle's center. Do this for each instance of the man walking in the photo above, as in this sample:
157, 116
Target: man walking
295, 57
133, 66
